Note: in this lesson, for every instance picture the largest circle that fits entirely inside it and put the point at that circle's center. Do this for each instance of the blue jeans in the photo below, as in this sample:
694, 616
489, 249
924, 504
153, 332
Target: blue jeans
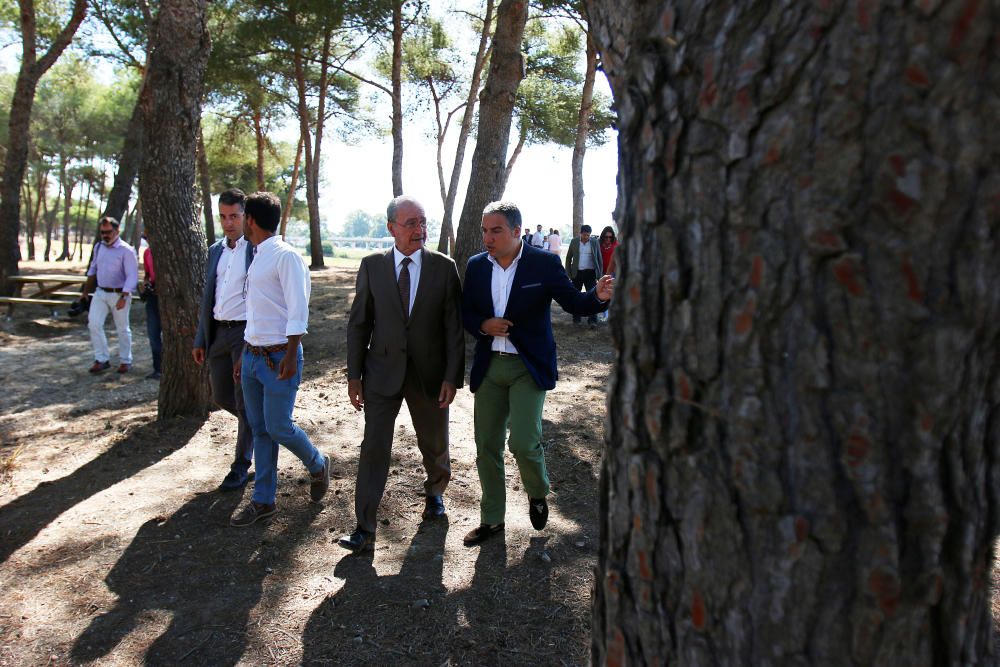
269, 403
154, 330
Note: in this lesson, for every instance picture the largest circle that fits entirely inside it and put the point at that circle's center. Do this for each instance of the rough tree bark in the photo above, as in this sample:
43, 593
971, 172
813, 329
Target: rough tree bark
171, 109
128, 166
69, 184
290, 201
206, 189
312, 184
482, 55
582, 131
801, 462
397, 98
496, 105
31, 70
522, 138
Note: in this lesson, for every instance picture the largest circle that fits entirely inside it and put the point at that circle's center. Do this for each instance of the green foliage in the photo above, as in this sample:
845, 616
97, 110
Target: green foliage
362, 224
231, 150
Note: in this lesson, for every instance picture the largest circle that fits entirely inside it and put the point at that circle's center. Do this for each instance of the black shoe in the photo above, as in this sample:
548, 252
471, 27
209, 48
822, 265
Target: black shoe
155, 375
538, 511
359, 540
320, 481
234, 481
434, 507
482, 533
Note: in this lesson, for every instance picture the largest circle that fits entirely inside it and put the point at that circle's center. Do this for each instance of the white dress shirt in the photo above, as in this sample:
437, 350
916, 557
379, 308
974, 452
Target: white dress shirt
230, 274
586, 256
414, 271
500, 283
537, 239
277, 294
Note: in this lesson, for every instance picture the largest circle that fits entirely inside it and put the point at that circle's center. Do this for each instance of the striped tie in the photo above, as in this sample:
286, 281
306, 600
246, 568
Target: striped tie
404, 286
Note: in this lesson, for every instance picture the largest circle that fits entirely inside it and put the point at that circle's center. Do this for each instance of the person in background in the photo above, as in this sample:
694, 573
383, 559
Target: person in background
154, 330
608, 244
555, 242
538, 238
114, 272
584, 266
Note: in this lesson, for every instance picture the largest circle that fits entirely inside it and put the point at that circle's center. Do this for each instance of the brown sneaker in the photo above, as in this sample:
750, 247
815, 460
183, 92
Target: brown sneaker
124, 368
252, 513
320, 481
100, 366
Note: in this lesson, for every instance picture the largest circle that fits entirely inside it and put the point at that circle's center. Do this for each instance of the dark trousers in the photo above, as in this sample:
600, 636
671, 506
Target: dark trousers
225, 350
431, 425
587, 279
154, 330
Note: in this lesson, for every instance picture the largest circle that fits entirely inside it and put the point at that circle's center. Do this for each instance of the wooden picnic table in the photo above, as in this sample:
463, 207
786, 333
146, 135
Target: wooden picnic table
47, 286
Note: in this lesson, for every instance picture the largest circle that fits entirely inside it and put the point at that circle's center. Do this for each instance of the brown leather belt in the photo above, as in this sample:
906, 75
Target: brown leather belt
265, 351
116, 290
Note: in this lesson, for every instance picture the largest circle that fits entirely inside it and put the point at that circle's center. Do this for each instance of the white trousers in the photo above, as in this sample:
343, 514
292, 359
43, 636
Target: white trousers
102, 303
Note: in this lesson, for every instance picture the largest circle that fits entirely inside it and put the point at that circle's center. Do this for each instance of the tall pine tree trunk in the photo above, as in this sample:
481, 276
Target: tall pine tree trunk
482, 55
259, 140
801, 463
171, 109
128, 166
70, 184
206, 189
489, 160
582, 131
397, 98
286, 212
31, 70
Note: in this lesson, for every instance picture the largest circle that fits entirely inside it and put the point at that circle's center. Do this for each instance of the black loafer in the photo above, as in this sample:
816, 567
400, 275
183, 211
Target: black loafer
434, 507
538, 511
359, 540
482, 533
234, 481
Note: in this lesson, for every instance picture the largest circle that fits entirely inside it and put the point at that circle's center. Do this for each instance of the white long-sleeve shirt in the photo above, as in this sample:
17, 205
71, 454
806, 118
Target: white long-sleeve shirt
500, 283
277, 294
230, 274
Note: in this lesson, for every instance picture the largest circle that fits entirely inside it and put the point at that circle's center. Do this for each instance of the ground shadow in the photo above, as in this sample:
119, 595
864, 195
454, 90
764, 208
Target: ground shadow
24, 517
205, 573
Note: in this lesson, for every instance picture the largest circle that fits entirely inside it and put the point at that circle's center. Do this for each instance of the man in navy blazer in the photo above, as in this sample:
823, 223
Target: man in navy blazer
506, 301
222, 319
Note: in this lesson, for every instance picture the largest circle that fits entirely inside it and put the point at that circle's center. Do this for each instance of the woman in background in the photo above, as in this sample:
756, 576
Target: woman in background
608, 244
555, 241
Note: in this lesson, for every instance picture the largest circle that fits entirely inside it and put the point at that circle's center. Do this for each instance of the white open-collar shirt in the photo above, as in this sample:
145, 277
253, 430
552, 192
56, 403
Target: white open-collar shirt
230, 274
278, 291
500, 283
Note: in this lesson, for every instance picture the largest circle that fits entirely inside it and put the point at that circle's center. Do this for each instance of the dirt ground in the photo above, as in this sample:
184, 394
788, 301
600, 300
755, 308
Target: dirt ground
115, 548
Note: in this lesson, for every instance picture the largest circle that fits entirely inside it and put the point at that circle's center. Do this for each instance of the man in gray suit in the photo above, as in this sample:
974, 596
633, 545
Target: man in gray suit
223, 318
404, 341
584, 266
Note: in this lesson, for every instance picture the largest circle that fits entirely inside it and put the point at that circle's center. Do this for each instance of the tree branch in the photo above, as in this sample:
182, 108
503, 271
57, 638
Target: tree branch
64, 37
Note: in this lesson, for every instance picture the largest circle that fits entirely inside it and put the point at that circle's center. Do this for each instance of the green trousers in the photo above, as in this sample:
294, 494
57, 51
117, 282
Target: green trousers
508, 396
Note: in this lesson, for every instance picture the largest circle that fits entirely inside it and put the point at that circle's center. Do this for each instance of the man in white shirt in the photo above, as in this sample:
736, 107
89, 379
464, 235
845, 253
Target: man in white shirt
114, 272
219, 339
277, 303
538, 238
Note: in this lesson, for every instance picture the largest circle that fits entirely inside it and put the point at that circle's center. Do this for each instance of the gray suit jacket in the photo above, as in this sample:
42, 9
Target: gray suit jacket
573, 257
381, 341
206, 321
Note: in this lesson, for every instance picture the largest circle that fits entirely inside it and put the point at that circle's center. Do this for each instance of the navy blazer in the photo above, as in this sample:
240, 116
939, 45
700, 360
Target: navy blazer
538, 280
206, 320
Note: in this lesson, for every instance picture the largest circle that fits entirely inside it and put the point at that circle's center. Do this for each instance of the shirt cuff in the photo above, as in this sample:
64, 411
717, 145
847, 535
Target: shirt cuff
295, 327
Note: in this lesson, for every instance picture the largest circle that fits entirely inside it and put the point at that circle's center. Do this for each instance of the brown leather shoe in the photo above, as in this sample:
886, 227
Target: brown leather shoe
100, 366
124, 368
320, 481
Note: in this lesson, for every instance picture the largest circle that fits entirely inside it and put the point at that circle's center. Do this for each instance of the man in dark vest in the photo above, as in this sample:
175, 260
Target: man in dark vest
221, 325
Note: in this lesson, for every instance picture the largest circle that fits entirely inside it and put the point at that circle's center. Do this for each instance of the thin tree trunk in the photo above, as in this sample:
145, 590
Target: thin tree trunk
482, 55
582, 131
31, 70
523, 136
397, 98
802, 460
70, 185
128, 167
82, 221
258, 133
312, 194
495, 111
206, 189
171, 110
287, 211
29, 223
49, 217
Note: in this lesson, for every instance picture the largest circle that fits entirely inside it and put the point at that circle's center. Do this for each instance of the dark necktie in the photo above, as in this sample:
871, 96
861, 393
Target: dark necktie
404, 286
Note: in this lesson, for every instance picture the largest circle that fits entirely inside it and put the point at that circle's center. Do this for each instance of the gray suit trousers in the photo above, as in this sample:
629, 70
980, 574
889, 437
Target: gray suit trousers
225, 351
431, 425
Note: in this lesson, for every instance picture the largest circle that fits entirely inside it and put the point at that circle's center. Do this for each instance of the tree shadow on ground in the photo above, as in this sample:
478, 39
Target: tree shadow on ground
505, 616
26, 516
206, 574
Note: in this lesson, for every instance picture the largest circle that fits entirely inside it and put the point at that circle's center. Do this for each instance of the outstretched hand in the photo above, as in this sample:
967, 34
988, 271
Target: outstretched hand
605, 287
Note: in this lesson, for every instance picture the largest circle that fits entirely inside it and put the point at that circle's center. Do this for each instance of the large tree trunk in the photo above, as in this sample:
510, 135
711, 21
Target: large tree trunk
206, 189
171, 109
801, 462
397, 98
582, 131
31, 70
447, 225
128, 166
496, 106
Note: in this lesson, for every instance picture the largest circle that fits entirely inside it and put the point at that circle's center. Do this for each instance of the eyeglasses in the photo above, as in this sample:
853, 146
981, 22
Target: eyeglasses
412, 223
